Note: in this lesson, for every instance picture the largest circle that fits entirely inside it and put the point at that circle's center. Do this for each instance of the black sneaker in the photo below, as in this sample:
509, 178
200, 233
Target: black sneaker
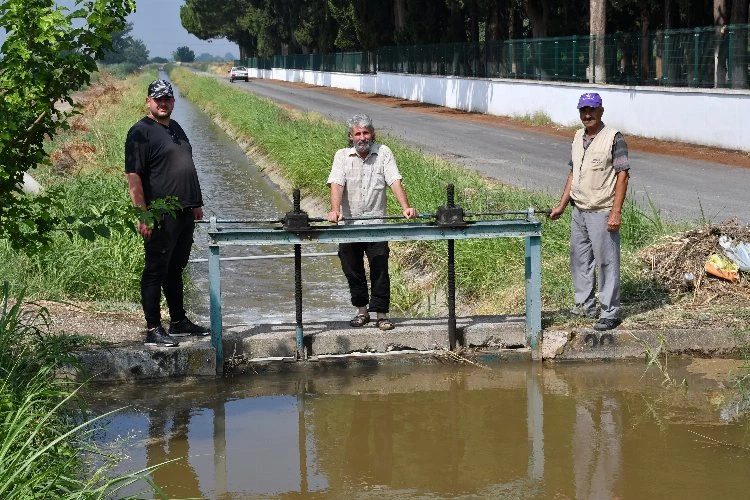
607, 324
158, 337
185, 327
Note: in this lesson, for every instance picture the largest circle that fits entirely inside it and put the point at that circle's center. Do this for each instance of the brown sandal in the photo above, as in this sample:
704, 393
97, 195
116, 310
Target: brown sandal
359, 320
384, 324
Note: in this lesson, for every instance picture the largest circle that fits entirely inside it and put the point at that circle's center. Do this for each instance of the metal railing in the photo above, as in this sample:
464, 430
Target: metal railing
448, 223
706, 57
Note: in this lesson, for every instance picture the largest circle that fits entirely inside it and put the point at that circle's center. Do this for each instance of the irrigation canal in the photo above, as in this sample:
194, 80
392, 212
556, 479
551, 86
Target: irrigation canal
515, 430
519, 430
261, 290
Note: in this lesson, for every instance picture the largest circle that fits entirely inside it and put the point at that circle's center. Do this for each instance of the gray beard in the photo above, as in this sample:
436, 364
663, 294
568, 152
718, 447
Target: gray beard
362, 146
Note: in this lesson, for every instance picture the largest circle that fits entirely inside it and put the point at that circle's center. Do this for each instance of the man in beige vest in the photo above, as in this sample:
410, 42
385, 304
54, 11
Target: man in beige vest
596, 187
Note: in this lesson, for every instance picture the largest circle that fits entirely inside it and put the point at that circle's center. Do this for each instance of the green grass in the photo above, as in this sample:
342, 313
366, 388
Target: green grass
536, 119
46, 432
489, 273
73, 268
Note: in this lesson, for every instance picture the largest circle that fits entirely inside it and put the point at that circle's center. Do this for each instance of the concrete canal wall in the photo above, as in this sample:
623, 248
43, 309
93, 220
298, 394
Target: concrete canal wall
488, 341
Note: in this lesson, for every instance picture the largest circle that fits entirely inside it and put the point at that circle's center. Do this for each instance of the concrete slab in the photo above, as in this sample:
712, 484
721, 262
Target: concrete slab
262, 341
627, 344
488, 340
193, 358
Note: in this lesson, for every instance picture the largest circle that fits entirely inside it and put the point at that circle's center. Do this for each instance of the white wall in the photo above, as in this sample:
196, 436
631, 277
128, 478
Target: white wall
707, 117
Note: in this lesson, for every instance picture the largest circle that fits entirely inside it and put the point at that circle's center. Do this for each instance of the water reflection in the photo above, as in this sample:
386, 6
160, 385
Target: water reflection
594, 431
258, 291
168, 442
596, 447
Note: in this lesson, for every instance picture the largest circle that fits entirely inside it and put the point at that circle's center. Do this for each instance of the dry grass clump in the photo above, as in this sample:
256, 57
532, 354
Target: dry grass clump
69, 158
670, 259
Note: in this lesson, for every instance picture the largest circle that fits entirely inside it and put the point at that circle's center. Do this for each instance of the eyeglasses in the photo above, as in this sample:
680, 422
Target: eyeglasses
175, 137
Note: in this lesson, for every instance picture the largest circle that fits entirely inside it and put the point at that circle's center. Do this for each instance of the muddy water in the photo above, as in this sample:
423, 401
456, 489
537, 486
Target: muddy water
517, 431
254, 290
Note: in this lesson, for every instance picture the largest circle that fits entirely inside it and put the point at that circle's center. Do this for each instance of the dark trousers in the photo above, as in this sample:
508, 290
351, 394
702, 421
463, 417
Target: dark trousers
353, 264
167, 253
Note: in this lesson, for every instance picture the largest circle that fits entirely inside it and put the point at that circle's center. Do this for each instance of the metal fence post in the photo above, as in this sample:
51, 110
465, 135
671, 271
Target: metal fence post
557, 59
533, 271
696, 60
575, 47
538, 59
299, 333
665, 61
451, 280
730, 58
214, 293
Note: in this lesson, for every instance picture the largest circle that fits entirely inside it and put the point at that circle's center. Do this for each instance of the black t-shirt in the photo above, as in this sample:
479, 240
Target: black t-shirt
163, 157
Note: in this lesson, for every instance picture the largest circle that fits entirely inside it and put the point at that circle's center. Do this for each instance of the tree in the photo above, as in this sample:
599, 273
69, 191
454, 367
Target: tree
126, 49
721, 17
49, 52
598, 28
183, 54
356, 20
228, 19
739, 57
538, 14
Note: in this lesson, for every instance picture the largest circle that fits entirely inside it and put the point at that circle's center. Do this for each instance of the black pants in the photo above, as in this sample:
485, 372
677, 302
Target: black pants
167, 253
353, 264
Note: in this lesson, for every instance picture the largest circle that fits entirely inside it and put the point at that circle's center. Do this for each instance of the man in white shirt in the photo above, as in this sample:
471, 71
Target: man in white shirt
358, 180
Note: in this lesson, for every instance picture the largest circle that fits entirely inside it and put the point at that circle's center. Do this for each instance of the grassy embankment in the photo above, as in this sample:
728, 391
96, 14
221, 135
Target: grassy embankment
47, 448
489, 273
87, 167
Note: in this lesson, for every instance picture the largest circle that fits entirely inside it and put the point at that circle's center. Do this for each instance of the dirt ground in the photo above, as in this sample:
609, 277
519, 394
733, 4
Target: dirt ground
127, 327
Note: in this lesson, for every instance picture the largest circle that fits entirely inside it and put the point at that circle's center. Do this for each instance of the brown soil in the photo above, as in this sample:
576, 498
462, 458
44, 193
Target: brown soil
79, 318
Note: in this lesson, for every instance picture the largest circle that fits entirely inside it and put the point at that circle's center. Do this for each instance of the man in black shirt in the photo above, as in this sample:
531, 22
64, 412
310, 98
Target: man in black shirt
159, 163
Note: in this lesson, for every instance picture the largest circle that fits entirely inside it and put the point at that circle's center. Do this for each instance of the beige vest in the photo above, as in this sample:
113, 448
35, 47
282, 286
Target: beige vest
594, 177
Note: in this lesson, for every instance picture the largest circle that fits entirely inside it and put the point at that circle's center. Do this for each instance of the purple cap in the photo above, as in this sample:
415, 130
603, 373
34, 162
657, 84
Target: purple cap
591, 100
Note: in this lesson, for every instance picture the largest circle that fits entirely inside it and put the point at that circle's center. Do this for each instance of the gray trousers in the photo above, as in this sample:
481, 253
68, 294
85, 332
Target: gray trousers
595, 253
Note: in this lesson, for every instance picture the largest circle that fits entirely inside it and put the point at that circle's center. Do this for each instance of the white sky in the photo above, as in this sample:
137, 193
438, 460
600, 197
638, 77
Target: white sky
157, 24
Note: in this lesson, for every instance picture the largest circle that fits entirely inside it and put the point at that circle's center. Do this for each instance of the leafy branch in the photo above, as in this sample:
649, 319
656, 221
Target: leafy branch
49, 52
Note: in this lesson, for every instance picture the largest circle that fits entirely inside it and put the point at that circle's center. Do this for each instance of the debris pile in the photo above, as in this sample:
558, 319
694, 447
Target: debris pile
677, 262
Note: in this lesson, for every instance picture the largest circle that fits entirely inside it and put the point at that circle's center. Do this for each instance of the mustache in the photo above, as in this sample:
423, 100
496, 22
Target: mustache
362, 145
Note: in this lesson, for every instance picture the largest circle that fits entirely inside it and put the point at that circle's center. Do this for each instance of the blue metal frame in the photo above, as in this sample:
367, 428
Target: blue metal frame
528, 228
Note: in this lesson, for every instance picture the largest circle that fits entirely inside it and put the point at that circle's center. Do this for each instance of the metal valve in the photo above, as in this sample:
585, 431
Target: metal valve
450, 216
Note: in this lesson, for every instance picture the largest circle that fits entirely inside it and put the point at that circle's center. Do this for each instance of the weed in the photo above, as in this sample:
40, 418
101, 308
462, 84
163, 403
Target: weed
42, 437
658, 356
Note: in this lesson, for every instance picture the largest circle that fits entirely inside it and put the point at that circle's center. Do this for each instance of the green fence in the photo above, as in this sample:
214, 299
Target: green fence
344, 62
698, 57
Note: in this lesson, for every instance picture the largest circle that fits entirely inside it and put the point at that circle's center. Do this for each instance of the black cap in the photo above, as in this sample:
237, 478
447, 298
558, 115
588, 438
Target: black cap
160, 88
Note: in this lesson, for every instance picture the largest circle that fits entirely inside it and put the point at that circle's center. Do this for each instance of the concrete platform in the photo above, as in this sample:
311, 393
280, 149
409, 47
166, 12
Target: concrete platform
486, 340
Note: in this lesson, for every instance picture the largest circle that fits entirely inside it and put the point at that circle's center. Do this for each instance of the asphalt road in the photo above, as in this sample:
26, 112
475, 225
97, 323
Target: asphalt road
680, 188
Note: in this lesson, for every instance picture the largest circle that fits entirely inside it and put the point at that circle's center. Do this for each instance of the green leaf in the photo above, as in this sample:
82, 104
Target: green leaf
87, 233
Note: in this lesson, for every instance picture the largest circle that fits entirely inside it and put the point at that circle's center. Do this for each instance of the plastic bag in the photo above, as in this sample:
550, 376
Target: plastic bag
721, 266
739, 253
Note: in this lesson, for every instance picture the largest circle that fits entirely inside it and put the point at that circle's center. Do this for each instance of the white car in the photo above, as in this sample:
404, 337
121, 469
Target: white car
238, 73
